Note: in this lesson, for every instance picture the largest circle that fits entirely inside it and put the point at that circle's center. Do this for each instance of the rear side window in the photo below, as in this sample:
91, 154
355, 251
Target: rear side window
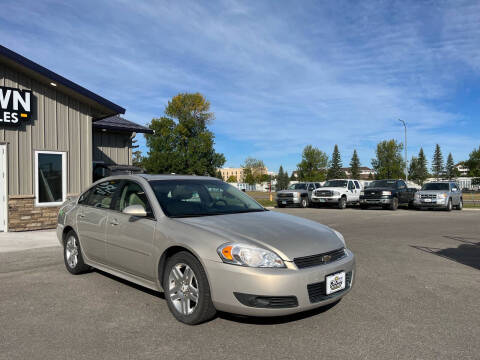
101, 195
357, 185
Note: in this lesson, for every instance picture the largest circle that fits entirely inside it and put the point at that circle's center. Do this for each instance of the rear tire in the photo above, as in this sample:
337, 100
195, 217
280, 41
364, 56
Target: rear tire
72, 255
187, 290
394, 204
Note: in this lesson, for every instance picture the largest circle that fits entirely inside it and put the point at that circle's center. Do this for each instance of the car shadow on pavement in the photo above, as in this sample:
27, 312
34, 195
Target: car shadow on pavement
131, 284
467, 253
275, 320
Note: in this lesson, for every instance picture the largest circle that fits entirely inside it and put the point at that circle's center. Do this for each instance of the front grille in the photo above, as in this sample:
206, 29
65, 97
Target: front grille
428, 196
271, 302
320, 259
318, 291
371, 194
286, 195
326, 193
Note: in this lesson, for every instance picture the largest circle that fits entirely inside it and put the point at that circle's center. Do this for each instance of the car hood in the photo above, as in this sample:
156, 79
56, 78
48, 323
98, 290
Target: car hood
288, 236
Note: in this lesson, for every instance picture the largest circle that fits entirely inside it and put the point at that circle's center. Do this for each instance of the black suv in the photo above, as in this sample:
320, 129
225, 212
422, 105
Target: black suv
387, 193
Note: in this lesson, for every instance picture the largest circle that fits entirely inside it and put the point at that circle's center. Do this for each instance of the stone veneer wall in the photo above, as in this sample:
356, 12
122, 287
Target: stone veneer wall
23, 215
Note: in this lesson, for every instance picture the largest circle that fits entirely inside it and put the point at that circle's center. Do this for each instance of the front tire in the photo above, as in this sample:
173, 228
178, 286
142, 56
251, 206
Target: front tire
449, 205
394, 204
187, 290
72, 255
342, 203
460, 205
304, 203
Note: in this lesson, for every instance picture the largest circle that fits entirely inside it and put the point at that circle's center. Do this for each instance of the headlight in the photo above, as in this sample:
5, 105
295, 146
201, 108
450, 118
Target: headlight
362, 192
296, 194
442, 196
248, 255
417, 195
336, 193
386, 193
340, 236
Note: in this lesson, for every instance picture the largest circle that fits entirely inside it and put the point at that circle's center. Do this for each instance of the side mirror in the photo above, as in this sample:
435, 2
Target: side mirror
135, 210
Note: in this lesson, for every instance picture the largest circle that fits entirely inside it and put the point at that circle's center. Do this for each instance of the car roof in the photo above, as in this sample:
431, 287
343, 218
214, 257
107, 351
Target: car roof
150, 177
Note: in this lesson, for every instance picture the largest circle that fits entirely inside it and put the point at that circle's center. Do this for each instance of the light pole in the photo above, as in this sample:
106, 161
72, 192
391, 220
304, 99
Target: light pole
406, 158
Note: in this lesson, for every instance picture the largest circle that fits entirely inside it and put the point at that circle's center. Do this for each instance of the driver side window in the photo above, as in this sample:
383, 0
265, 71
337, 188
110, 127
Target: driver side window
351, 186
133, 194
311, 187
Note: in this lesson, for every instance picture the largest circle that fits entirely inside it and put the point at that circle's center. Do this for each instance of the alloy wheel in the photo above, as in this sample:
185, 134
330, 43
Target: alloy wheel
183, 288
71, 252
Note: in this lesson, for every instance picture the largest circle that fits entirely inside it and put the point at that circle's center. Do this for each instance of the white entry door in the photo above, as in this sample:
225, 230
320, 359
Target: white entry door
3, 188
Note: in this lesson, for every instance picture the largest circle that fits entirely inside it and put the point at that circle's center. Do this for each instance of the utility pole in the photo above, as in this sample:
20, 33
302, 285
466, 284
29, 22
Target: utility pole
406, 158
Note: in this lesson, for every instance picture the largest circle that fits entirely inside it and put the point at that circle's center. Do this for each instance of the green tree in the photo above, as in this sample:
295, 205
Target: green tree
473, 163
389, 163
181, 142
417, 170
335, 169
219, 175
437, 162
282, 179
355, 166
313, 164
450, 170
256, 169
248, 176
232, 179
137, 158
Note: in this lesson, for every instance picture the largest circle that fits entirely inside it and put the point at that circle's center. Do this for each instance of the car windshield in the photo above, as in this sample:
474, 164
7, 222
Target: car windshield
435, 186
189, 198
336, 183
300, 186
383, 184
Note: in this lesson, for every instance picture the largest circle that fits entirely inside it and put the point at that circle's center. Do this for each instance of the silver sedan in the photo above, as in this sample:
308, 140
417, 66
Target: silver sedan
206, 245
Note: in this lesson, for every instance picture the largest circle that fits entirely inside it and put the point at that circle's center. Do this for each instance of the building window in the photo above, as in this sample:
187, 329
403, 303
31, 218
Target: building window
50, 178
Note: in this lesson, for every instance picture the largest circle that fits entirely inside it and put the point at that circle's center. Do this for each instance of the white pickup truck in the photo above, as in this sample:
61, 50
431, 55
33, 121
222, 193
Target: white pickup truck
340, 192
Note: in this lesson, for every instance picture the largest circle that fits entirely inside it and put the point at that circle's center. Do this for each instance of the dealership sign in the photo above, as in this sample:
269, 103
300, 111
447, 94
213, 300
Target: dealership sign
15, 105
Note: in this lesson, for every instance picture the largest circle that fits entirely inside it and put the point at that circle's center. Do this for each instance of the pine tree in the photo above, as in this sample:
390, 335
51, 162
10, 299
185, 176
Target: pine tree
281, 179
437, 162
450, 167
355, 166
422, 167
413, 169
335, 169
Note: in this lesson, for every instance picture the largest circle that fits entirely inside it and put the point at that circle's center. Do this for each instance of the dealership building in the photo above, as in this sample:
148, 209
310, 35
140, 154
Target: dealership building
53, 133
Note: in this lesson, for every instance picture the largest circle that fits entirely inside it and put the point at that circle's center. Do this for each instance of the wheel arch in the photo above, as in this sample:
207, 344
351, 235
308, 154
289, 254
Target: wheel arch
66, 230
169, 252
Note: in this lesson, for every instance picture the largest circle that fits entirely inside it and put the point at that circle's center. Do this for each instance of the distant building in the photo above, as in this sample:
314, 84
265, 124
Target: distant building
462, 169
365, 172
239, 173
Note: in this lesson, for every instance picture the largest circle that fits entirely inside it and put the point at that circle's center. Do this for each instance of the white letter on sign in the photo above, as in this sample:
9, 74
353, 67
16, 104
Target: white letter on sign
4, 98
17, 98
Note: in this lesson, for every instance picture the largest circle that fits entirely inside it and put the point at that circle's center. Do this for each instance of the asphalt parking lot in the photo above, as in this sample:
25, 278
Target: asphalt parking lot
417, 295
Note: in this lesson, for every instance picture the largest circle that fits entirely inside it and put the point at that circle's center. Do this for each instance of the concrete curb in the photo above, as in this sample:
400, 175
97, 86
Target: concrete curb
26, 240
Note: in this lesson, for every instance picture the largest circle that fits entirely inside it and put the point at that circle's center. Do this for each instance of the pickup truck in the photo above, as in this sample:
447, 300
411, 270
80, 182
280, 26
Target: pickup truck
339, 192
299, 194
389, 194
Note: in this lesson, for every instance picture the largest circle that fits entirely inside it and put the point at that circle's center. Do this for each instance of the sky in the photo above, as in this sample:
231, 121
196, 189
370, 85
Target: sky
279, 74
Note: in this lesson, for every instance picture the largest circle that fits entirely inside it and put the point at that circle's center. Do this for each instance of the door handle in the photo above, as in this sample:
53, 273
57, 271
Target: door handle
114, 222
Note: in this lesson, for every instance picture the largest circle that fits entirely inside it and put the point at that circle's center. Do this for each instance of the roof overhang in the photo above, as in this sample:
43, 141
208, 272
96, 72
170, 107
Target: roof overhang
101, 106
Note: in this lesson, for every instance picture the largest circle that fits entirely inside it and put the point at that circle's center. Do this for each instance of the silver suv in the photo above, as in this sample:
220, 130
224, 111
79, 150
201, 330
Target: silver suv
440, 194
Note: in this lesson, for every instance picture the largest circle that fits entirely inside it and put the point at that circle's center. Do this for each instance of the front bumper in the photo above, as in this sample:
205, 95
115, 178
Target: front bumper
435, 203
226, 279
289, 201
376, 201
325, 200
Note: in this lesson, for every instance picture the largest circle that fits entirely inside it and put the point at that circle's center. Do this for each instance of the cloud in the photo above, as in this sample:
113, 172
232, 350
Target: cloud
279, 75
